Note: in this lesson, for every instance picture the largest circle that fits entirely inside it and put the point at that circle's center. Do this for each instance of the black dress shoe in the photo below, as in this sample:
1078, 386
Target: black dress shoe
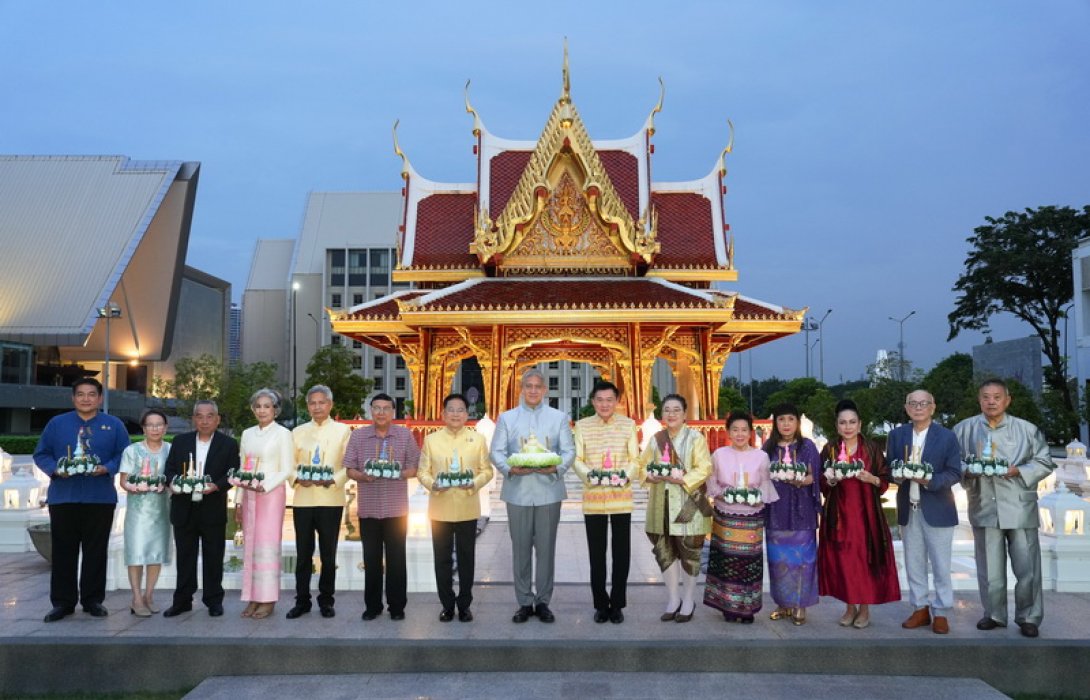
446, 615
465, 615
601, 616
1028, 629
176, 610
987, 624
298, 611
328, 611
58, 613
544, 614
400, 615
523, 614
369, 615
215, 610
96, 610
616, 616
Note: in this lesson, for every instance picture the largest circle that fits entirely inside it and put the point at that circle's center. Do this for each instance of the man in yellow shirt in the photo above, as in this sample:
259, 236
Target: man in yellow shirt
318, 503
606, 460
454, 465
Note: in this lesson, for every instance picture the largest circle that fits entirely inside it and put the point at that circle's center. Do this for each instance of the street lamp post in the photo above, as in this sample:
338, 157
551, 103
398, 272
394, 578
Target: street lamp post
821, 350
810, 349
111, 310
808, 324
294, 350
901, 343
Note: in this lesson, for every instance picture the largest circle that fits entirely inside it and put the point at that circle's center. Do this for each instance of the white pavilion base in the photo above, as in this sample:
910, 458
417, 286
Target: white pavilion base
13, 528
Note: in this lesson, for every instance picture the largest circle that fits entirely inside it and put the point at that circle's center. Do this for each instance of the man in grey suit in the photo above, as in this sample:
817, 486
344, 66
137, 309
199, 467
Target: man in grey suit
533, 496
1003, 509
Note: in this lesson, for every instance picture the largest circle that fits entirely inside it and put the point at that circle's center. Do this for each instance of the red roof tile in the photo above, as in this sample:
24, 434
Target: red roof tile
624, 173
685, 230
504, 171
444, 230
515, 294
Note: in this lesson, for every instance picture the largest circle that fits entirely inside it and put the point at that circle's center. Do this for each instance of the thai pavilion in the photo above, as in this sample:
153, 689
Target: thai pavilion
564, 248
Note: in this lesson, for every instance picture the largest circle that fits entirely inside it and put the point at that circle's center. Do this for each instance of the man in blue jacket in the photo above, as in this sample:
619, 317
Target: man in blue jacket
81, 508
926, 510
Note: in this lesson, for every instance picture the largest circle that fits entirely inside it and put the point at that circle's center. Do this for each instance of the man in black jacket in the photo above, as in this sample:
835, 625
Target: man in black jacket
201, 524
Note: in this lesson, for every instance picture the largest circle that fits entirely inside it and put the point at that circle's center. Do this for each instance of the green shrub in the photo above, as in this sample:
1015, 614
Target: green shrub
19, 444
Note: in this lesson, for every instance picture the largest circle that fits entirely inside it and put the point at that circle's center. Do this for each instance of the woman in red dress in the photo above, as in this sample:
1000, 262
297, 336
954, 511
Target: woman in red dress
855, 551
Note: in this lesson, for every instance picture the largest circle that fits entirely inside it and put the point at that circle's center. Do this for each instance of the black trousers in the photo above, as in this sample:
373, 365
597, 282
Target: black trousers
206, 536
326, 521
445, 537
598, 527
74, 527
379, 535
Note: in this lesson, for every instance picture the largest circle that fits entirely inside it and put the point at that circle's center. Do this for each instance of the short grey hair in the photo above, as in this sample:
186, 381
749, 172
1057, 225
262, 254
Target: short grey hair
206, 402
921, 391
269, 394
320, 389
533, 372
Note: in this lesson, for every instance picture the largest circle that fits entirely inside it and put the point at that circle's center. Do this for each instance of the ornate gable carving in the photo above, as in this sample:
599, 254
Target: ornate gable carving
564, 186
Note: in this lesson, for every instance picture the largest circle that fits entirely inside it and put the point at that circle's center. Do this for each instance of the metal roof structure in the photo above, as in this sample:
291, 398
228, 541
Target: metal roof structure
77, 232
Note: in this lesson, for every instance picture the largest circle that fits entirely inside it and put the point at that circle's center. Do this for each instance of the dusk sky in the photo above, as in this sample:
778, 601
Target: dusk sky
871, 138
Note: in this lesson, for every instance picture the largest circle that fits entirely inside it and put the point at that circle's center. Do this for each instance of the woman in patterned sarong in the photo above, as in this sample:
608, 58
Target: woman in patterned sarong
736, 561
791, 522
677, 506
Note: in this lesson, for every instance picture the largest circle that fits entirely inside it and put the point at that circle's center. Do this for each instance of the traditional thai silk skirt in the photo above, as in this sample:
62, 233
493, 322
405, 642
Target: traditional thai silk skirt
792, 567
262, 529
680, 548
736, 565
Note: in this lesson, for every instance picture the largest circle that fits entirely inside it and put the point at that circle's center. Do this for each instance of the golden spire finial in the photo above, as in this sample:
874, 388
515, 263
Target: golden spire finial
406, 168
650, 125
478, 127
728, 149
566, 95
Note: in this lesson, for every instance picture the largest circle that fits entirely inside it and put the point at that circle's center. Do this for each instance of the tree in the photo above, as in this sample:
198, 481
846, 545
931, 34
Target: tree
332, 366
812, 398
194, 379
730, 399
1020, 264
951, 383
240, 383
205, 377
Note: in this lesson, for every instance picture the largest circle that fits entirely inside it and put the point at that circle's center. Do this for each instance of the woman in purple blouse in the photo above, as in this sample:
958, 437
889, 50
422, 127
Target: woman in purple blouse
791, 522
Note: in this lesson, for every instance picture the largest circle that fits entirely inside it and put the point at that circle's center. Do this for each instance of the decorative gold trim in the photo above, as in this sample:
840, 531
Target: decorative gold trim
424, 274
650, 124
406, 168
716, 274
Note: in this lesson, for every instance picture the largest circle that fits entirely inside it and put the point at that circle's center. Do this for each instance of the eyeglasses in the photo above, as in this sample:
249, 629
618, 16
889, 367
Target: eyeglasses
917, 404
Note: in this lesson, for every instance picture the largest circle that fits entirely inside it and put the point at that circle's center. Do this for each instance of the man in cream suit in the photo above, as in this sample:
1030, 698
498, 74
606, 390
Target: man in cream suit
1003, 509
533, 496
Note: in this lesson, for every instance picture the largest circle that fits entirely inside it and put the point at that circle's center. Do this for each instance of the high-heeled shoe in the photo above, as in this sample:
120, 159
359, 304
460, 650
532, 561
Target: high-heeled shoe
798, 617
780, 614
848, 619
684, 618
669, 616
151, 606
861, 621
140, 611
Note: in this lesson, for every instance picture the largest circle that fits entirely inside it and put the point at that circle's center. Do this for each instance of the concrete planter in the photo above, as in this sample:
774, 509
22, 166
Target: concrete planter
41, 536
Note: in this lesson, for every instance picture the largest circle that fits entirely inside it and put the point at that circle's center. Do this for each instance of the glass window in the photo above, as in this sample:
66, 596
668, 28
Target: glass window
335, 340
357, 361
399, 362
357, 268
380, 267
357, 344
378, 382
336, 268
555, 364
15, 364
554, 402
335, 300
357, 299
575, 383
399, 383
380, 361
554, 383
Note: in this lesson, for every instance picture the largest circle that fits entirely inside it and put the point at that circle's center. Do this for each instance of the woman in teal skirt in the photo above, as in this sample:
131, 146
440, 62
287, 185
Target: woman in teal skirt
147, 512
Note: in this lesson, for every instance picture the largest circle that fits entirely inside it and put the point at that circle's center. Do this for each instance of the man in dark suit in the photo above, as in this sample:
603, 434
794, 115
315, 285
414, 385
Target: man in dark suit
201, 524
926, 510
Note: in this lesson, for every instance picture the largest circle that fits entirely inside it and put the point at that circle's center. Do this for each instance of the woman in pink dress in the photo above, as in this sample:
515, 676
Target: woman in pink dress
855, 549
268, 448
741, 487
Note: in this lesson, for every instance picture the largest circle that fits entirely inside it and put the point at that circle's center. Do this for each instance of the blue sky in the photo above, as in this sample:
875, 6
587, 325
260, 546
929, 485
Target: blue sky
871, 137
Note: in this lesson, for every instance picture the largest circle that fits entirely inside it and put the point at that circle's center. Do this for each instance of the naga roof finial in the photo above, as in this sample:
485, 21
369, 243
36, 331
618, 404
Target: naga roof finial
478, 127
406, 168
650, 125
728, 149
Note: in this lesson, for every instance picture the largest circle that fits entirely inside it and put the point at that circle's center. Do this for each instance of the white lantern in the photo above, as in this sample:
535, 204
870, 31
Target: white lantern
1063, 514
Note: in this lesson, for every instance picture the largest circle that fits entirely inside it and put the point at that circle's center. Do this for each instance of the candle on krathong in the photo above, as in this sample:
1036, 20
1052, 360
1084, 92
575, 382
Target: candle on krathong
317, 459
455, 463
988, 445
787, 455
842, 456
666, 453
607, 461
